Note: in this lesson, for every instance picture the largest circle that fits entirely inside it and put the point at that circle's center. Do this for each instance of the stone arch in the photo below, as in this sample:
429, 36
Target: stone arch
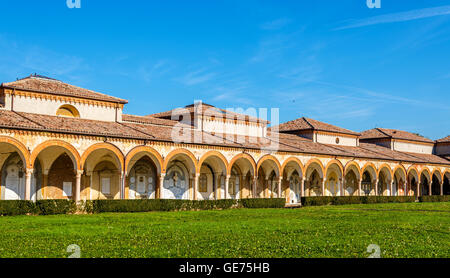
446, 187
385, 177
212, 168
349, 165
144, 150
400, 175
315, 161
370, 165
176, 152
438, 174
413, 169
314, 176
334, 173
246, 157
436, 181
425, 179
427, 171
20, 148
296, 162
213, 154
105, 146
401, 168
335, 162
269, 157
69, 149
368, 179
385, 166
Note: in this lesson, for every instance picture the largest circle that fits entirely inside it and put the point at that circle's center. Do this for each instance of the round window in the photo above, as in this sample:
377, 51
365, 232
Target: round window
337, 140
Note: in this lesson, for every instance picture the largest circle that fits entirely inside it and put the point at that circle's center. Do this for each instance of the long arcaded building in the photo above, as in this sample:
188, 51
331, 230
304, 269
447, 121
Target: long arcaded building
60, 141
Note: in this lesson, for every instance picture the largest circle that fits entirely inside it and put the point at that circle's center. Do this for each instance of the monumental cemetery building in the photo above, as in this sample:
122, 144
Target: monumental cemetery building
59, 141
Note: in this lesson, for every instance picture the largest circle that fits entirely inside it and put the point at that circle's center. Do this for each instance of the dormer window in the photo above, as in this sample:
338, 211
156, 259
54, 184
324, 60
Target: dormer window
68, 111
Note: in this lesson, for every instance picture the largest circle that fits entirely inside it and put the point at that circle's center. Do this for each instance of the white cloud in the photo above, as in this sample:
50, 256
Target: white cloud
196, 77
397, 17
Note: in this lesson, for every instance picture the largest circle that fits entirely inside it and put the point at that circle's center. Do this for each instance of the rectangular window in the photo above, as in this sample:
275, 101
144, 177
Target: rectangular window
106, 186
67, 189
141, 188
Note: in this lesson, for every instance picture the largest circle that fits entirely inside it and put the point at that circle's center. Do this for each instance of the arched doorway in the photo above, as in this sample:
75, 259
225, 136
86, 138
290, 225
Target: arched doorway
412, 187
313, 186
332, 186
436, 185
295, 188
61, 179
234, 184
367, 186
13, 178
273, 185
213, 171
176, 182
351, 184
384, 182
446, 184
142, 179
424, 185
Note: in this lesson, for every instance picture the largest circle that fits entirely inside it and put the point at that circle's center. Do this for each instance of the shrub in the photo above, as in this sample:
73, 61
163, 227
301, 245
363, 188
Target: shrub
16, 207
53, 207
435, 198
99, 206
262, 203
347, 200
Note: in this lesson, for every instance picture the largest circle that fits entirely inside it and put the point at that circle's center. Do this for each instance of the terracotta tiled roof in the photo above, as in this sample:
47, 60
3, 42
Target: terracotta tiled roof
311, 124
208, 110
378, 133
159, 132
444, 140
41, 84
147, 120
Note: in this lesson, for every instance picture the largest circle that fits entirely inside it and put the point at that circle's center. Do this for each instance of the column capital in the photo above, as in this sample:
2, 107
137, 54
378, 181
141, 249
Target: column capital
80, 172
29, 171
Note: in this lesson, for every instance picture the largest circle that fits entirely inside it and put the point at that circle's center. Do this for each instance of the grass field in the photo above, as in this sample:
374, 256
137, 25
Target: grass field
401, 230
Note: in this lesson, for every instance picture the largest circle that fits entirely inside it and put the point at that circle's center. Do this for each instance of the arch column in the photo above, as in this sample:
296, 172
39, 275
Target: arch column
254, 185
391, 186
341, 186
279, 186
324, 180
78, 186
406, 186
376, 187
360, 186
196, 180
442, 186
123, 177
302, 186
430, 187
28, 174
227, 184
44, 184
418, 188
161, 178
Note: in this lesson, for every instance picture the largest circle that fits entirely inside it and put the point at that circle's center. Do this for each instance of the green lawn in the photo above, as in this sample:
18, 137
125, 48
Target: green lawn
401, 230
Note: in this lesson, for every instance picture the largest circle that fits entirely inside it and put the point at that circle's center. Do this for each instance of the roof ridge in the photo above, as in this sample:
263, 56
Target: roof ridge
306, 120
379, 129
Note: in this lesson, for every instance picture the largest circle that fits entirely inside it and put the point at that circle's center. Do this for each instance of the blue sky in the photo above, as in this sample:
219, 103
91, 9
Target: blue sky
334, 61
